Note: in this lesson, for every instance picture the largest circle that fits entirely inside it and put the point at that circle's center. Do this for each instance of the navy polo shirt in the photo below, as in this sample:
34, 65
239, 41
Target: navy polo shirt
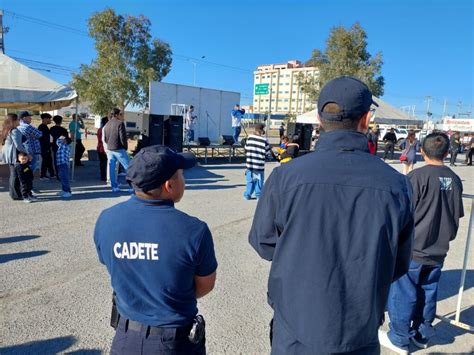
152, 252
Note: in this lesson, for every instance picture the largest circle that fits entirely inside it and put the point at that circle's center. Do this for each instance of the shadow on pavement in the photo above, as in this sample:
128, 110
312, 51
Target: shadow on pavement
446, 333
4, 258
223, 166
49, 346
449, 283
19, 238
84, 196
204, 181
200, 172
213, 187
87, 185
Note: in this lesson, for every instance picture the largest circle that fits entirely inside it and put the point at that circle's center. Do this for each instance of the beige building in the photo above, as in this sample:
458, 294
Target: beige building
285, 96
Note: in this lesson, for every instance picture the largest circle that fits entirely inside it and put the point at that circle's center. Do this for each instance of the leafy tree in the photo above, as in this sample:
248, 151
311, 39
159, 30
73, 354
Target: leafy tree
127, 60
345, 54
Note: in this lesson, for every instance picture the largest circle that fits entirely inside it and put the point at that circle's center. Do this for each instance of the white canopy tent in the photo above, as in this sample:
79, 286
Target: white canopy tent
310, 117
24, 88
383, 111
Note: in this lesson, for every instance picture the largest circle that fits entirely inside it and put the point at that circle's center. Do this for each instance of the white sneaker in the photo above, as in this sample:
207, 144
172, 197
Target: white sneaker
115, 189
66, 194
384, 340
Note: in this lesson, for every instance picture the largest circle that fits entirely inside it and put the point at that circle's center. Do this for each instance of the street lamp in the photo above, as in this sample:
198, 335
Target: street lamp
194, 69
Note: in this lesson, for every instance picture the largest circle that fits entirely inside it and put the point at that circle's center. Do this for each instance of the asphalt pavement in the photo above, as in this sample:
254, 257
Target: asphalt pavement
55, 296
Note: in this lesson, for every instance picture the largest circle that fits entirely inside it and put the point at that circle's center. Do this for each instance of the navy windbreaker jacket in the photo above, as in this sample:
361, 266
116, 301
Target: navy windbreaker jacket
337, 225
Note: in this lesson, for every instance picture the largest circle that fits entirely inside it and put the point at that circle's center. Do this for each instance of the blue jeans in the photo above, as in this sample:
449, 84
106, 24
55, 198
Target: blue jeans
63, 174
190, 135
116, 155
35, 162
412, 304
254, 183
236, 133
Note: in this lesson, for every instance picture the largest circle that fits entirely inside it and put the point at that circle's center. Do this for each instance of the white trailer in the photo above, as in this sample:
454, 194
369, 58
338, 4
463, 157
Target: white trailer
212, 107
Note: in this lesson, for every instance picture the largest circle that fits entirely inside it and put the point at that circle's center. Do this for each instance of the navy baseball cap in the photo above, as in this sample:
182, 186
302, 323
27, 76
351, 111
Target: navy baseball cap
154, 165
350, 94
24, 114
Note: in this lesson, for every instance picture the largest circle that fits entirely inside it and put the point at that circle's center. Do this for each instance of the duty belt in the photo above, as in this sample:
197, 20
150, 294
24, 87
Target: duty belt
150, 330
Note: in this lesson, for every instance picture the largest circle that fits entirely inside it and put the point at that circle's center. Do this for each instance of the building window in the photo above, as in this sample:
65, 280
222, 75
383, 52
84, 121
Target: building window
287, 75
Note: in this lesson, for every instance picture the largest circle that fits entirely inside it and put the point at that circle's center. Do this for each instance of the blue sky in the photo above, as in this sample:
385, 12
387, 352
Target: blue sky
427, 46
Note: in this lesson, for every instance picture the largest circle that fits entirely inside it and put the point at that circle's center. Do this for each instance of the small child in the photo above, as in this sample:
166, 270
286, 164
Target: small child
62, 161
291, 151
25, 175
284, 142
437, 198
277, 151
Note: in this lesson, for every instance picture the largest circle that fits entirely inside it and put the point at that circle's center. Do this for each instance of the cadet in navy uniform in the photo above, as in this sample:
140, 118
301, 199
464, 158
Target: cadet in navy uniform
160, 259
337, 225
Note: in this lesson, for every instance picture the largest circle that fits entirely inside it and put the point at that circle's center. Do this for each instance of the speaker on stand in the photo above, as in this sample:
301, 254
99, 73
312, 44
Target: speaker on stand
173, 132
155, 130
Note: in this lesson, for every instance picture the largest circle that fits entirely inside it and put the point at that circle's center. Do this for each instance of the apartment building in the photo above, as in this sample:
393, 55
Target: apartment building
285, 96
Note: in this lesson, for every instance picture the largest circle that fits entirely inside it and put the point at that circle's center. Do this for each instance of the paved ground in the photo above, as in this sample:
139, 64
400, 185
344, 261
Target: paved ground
55, 296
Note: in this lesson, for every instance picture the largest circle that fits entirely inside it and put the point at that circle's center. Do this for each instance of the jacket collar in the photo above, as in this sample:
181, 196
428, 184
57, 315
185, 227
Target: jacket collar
342, 140
137, 199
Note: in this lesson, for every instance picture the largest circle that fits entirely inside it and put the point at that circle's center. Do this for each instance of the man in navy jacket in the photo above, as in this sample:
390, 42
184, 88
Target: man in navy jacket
337, 225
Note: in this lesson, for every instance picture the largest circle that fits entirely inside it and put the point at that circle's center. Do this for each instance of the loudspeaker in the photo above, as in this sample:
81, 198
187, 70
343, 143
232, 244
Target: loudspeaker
204, 141
155, 130
226, 140
305, 141
303, 131
173, 132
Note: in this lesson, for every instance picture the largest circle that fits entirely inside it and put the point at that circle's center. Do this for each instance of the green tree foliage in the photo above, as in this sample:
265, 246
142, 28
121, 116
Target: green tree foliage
127, 60
345, 54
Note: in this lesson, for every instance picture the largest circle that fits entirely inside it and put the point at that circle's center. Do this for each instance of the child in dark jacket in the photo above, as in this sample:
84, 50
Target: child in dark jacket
25, 175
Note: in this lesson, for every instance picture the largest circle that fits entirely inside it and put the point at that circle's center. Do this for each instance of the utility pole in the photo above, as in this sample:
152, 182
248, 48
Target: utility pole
444, 106
459, 106
428, 100
3, 31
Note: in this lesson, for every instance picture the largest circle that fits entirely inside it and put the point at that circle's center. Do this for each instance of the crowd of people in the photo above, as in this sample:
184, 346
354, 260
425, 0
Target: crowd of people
27, 149
332, 274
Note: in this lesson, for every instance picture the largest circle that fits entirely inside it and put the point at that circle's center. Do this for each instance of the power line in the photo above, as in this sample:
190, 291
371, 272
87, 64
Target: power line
84, 33
41, 22
50, 65
182, 56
